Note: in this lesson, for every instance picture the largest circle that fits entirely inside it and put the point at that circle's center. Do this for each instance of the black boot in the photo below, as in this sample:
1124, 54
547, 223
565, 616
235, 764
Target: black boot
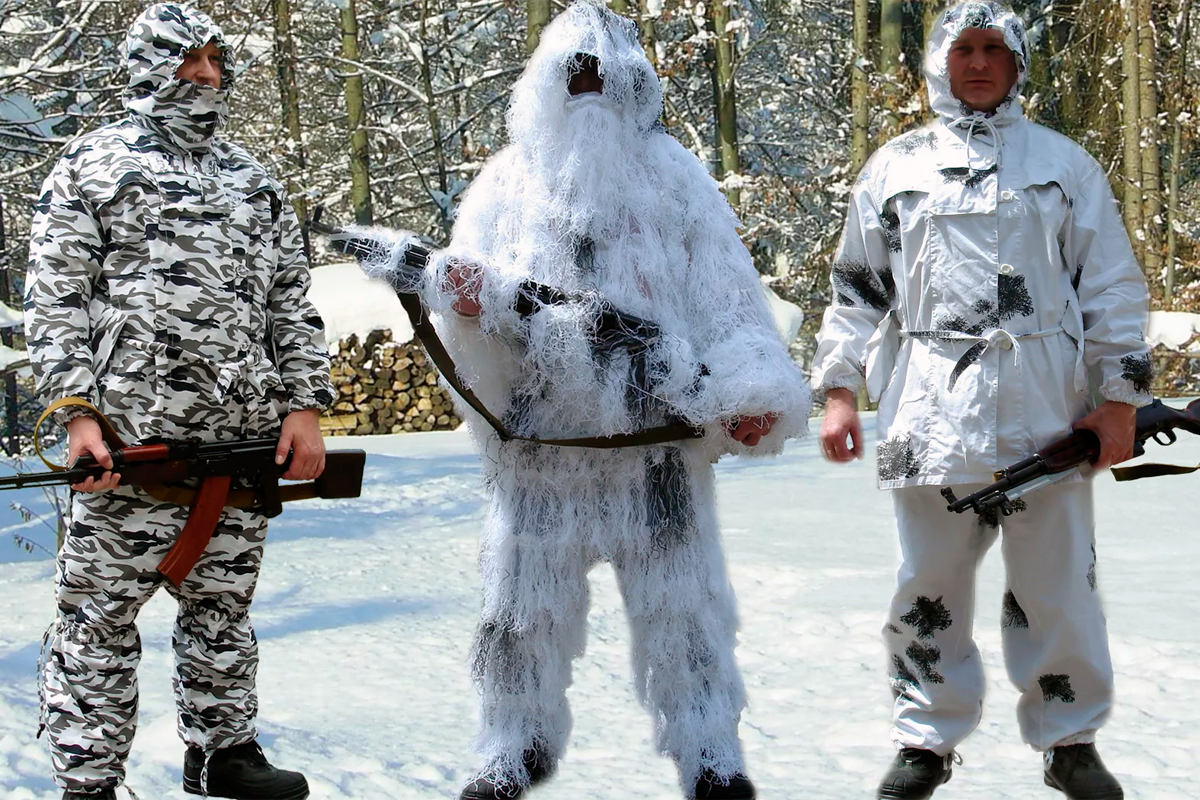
713, 787
915, 774
539, 766
104, 794
1077, 771
241, 772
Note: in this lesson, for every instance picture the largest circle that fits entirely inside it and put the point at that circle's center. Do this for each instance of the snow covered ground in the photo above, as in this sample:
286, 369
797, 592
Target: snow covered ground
366, 608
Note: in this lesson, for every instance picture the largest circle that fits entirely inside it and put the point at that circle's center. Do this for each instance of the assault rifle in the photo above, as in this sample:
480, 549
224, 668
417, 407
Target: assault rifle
154, 467
1060, 459
611, 328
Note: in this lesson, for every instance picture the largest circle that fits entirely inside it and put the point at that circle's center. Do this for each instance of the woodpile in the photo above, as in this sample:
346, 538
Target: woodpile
385, 387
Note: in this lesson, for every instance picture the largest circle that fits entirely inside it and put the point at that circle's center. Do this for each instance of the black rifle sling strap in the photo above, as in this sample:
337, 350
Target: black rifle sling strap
423, 327
1140, 471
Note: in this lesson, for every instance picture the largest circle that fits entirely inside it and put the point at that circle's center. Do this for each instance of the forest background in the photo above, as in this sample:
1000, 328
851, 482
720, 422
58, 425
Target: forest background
384, 110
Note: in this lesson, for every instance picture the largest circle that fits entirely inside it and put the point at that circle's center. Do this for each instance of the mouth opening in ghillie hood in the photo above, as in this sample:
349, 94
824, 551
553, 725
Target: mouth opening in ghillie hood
587, 28
985, 15
186, 114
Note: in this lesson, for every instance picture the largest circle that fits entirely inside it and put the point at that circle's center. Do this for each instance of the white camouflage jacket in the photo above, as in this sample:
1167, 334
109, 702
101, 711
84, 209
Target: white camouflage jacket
166, 279
984, 286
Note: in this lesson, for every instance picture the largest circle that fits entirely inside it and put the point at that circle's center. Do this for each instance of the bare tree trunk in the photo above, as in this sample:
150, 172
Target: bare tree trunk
435, 129
891, 26
360, 172
289, 99
619, 7
860, 119
12, 418
648, 21
1132, 161
1150, 140
725, 98
1184, 34
537, 14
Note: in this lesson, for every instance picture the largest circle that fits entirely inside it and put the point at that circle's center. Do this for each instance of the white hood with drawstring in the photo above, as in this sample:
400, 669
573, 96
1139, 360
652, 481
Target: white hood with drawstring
984, 287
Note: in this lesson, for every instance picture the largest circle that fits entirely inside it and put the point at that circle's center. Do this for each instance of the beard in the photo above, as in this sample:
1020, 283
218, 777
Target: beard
587, 164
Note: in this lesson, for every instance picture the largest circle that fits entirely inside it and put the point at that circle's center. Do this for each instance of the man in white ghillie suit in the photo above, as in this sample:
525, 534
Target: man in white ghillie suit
983, 278
594, 198
167, 287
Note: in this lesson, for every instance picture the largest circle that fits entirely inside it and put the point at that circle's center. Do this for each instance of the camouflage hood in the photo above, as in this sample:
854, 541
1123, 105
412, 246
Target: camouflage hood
950, 25
186, 114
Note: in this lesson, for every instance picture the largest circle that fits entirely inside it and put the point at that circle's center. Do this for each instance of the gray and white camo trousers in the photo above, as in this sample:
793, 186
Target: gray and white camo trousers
105, 574
1053, 630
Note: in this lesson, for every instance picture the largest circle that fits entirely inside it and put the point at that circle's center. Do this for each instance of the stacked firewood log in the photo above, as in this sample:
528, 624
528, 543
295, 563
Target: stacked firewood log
385, 387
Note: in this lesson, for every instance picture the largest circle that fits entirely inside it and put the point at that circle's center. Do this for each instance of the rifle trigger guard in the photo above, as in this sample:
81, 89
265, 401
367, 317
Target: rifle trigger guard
1171, 437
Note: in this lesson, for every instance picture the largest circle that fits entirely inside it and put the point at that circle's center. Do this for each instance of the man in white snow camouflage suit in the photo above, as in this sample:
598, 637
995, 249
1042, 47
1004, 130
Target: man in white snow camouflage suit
983, 281
167, 287
592, 196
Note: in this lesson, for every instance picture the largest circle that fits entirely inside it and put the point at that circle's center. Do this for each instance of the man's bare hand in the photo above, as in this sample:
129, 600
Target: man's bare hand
302, 435
1115, 424
84, 437
841, 422
750, 430
466, 281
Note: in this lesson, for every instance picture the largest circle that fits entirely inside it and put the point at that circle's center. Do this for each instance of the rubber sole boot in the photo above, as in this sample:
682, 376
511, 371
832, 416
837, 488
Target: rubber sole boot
539, 766
1077, 771
241, 772
712, 787
915, 775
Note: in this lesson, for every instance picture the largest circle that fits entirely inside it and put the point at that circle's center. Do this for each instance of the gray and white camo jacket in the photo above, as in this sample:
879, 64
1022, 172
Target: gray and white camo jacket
166, 278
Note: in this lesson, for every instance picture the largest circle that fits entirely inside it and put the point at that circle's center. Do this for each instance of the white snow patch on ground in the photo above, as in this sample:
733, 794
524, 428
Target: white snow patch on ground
366, 608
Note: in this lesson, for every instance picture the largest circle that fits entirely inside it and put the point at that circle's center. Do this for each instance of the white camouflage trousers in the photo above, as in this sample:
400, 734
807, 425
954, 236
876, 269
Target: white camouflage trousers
1054, 633
105, 574
671, 573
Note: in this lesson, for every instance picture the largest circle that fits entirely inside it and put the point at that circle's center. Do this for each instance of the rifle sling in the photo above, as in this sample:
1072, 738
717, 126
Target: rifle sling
423, 328
1139, 471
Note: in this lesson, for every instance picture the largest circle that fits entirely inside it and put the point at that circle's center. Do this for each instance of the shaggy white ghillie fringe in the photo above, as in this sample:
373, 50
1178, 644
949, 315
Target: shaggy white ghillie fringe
380, 254
592, 196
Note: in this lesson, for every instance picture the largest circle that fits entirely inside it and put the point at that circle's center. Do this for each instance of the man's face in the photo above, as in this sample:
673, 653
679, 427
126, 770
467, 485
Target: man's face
585, 76
201, 65
982, 68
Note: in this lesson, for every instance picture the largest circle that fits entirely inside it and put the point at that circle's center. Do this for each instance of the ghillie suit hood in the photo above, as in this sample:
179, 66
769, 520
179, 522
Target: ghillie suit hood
186, 114
539, 97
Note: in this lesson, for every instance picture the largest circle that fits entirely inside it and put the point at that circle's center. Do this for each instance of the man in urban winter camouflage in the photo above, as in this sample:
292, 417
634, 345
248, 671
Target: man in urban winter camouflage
983, 281
167, 287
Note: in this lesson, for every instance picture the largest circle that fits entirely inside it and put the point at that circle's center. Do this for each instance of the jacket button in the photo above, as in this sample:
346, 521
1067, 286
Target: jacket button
1007, 196
1006, 269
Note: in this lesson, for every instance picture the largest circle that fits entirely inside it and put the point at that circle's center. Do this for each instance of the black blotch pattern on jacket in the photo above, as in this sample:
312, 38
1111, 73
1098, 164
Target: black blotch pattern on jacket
1077, 278
890, 628
912, 142
1013, 296
1056, 686
1139, 371
891, 227
968, 176
856, 279
1012, 615
895, 459
927, 617
925, 658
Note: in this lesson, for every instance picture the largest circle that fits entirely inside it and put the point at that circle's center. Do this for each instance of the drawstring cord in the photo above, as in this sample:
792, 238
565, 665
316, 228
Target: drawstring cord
970, 122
